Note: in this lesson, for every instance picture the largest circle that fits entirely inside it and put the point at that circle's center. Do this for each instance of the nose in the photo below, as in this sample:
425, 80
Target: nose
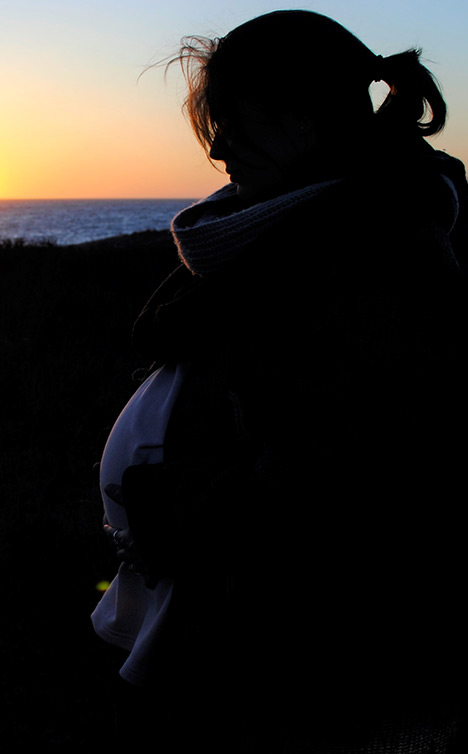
218, 148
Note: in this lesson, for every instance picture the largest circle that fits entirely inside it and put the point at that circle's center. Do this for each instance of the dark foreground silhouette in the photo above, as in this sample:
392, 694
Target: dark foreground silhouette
66, 364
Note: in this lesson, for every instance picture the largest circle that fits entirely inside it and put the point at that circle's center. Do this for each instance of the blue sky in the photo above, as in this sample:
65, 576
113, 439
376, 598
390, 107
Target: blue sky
76, 122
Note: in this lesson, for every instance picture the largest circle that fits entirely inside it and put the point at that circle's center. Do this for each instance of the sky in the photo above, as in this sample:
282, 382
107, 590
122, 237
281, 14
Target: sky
78, 121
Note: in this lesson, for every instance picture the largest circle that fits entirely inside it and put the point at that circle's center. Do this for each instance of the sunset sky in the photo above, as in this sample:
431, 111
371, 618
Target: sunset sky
75, 121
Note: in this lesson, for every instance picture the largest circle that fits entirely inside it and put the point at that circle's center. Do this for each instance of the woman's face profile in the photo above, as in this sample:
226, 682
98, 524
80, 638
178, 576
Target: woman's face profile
263, 153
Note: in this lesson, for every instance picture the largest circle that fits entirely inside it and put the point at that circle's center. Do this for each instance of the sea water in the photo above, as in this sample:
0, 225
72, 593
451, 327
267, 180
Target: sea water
70, 221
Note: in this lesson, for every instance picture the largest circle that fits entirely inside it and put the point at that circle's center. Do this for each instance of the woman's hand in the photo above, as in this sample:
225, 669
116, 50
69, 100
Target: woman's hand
123, 542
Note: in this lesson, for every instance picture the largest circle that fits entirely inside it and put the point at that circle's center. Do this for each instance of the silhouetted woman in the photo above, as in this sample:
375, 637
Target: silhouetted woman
284, 487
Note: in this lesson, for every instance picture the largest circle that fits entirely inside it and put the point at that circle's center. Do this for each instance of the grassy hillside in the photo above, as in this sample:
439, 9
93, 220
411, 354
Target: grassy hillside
66, 362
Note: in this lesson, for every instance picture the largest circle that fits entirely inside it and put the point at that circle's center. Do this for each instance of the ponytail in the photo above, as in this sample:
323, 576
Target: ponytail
414, 95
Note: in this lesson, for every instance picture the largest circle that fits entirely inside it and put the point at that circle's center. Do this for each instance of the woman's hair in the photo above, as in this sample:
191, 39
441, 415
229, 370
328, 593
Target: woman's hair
303, 62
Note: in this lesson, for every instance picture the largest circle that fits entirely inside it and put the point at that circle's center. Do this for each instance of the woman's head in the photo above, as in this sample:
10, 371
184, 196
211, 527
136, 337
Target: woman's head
285, 97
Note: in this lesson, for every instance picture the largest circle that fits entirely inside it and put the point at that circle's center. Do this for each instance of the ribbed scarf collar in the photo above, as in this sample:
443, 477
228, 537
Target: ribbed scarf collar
213, 231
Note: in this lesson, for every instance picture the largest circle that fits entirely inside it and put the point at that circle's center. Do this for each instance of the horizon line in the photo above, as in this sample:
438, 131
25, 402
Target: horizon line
92, 198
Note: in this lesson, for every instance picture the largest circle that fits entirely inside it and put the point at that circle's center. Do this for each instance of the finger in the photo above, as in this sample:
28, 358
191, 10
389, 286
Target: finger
115, 535
134, 563
123, 555
136, 569
124, 537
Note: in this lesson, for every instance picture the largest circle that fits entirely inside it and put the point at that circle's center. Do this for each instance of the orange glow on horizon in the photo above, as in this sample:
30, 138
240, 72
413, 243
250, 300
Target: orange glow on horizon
133, 146
94, 146
80, 121
104, 168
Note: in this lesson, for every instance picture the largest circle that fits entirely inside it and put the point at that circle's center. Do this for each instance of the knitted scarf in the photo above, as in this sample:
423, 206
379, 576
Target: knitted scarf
213, 231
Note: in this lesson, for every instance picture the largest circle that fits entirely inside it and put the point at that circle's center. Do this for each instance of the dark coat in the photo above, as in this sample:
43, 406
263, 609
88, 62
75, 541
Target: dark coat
309, 505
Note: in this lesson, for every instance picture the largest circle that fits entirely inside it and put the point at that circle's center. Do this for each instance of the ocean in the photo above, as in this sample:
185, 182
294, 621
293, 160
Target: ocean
70, 221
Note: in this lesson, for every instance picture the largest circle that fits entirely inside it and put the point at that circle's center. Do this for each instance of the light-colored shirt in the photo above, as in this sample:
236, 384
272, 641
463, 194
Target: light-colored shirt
129, 615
